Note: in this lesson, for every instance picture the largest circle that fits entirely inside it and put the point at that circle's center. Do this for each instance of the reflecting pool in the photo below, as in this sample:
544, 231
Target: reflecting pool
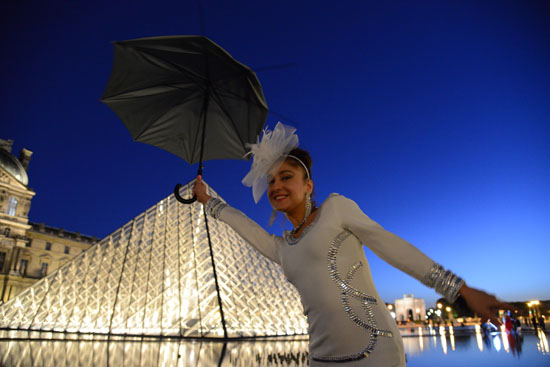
424, 348
478, 349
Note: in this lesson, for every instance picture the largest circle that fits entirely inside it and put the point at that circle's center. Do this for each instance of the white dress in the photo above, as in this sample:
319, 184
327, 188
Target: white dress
349, 324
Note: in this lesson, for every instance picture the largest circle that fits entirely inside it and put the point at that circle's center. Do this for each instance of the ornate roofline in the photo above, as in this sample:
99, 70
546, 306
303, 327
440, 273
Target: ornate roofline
61, 233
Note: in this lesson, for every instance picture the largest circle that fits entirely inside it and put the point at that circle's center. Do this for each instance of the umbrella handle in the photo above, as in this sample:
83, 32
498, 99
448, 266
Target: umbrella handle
181, 199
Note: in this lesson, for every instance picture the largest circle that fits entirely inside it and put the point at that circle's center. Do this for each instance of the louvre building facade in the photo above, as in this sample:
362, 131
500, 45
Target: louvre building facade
28, 251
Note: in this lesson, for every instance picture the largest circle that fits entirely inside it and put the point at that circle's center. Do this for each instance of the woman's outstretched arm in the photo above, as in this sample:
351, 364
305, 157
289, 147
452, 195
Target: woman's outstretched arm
406, 257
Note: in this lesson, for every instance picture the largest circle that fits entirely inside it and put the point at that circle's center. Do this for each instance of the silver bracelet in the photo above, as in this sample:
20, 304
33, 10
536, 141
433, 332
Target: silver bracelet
444, 281
214, 206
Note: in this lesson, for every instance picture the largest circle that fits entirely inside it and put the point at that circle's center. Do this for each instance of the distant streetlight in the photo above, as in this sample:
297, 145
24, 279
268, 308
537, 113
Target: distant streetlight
449, 313
440, 306
390, 307
534, 304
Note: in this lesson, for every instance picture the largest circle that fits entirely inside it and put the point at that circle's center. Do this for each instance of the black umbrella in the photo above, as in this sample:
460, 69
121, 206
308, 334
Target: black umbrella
186, 95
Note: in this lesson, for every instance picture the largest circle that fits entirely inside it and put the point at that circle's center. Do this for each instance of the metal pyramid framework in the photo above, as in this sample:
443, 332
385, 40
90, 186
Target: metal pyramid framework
169, 272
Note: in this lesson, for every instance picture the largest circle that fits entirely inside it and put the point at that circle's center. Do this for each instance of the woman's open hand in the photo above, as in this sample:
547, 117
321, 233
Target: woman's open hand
199, 189
483, 304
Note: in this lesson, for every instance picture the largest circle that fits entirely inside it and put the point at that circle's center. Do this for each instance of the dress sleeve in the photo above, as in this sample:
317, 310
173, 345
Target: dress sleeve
396, 251
251, 231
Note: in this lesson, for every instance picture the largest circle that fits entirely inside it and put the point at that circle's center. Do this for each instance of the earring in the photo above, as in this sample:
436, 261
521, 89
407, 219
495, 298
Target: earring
272, 217
308, 205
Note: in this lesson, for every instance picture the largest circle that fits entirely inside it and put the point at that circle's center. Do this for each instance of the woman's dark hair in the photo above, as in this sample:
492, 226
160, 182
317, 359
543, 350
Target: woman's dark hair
304, 156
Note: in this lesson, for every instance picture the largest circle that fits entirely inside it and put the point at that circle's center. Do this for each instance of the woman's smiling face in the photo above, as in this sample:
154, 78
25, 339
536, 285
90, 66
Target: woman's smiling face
287, 187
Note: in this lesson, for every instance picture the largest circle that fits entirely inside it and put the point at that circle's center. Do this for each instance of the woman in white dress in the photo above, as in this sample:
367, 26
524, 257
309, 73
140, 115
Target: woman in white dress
322, 256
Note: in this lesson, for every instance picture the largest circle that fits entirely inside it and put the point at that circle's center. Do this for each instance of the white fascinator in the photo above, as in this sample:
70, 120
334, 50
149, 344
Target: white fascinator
266, 154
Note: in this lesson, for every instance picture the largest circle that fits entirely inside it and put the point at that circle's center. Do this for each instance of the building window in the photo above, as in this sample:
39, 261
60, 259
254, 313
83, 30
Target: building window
48, 246
23, 266
66, 249
2, 260
7, 232
28, 244
12, 206
44, 269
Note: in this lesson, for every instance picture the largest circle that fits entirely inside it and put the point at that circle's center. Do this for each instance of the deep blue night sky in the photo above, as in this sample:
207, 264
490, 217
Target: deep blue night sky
432, 115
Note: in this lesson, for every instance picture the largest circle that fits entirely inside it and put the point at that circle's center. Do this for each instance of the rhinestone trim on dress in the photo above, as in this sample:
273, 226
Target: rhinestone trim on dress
349, 291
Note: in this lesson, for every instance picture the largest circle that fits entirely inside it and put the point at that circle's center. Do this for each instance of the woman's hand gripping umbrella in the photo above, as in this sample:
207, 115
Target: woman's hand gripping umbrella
199, 191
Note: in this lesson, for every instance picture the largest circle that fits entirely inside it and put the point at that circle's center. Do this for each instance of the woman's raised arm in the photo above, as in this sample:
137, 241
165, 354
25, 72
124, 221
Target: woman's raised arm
251, 231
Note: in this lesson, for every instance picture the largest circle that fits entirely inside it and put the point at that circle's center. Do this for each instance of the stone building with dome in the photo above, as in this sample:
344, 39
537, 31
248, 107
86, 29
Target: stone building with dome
28, 251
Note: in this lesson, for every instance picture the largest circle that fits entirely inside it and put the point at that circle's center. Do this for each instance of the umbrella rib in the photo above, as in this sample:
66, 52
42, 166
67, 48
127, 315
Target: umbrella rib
246, 72
229, 92
179, 68
220, 103
198, 133
257, 104
121, 94
145, 128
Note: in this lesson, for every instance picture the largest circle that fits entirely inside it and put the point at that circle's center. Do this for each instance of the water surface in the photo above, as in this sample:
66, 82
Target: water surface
423, 349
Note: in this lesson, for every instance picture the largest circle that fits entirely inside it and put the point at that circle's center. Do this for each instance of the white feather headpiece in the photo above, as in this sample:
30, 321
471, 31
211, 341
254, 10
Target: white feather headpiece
267, 153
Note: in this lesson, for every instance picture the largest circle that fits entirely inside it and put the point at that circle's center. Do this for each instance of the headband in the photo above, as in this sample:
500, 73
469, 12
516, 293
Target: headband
302, 163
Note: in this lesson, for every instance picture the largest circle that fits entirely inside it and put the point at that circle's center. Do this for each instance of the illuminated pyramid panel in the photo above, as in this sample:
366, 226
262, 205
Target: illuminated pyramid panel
155, 276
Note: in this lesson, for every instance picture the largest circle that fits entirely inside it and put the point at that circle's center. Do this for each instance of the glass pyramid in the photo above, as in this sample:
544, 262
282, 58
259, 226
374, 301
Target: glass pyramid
156, 276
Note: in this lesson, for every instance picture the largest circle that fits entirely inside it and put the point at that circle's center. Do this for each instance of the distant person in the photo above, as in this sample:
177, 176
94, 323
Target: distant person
323, 257
542, 325
517, 325
488, 327
508, 323
534, 322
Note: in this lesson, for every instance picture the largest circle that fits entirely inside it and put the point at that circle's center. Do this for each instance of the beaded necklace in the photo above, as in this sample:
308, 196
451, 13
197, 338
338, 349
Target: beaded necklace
297, 228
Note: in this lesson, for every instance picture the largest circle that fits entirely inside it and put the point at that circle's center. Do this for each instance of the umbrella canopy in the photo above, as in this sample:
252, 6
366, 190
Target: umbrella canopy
186, 95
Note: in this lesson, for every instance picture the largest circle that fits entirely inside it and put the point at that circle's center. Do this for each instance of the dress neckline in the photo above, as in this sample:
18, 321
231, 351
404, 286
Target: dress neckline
291, 240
